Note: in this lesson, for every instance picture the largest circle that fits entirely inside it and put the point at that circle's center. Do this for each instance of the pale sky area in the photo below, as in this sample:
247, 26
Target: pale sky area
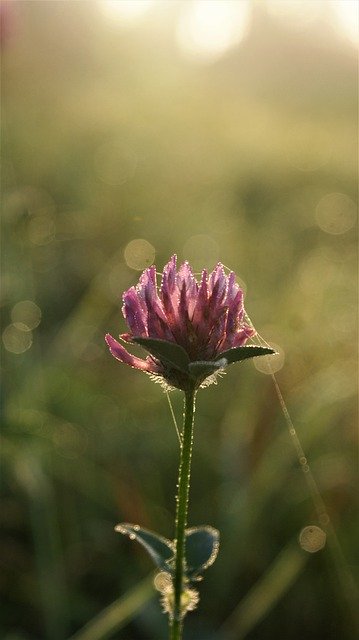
207, 29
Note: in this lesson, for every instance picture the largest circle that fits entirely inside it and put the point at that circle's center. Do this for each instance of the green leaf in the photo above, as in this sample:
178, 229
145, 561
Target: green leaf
202, 545
160, 549
203, 368
169, 352
242, 353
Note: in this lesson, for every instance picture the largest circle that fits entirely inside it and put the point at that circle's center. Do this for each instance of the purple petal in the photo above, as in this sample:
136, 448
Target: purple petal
135, 313
186, 277
217, 333
235, 339
241, 337
188, 289
169, 276
158, 325
217, 286
120, 353
202, 299
234, 319
232, 287
170, 292
156, 320
147, 285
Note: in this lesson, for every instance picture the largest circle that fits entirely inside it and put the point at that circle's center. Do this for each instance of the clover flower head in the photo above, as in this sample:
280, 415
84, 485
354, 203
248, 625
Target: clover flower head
191, 329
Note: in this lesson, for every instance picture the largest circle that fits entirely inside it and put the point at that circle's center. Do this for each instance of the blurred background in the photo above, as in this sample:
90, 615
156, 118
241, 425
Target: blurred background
217, 131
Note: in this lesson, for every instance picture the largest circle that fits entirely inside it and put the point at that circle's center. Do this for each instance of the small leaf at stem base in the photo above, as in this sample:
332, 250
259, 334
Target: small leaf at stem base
202, 546
159, 548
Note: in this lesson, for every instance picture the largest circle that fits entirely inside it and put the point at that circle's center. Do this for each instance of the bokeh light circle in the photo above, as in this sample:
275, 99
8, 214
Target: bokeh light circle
69, 441
270, 364
336, 213
312, 539
207, 29
139, 254
16, 339
27, 313
42, 229
346, 18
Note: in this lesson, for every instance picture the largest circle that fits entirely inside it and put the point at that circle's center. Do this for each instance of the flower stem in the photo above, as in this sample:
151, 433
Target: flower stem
182, 510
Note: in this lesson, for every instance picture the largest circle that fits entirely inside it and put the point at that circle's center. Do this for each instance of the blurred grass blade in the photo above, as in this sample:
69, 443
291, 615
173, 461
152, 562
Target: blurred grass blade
48, 551
115, 616
265, 593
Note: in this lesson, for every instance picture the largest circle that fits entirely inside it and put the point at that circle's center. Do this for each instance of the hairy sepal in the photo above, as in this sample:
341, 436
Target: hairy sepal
237, 354
205, 368
169, 353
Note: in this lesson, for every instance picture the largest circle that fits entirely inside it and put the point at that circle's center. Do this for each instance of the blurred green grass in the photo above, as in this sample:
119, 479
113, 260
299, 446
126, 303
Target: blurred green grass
110, 136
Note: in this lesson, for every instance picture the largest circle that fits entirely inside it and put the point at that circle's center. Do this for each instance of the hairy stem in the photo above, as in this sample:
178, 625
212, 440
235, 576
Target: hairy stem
181, 511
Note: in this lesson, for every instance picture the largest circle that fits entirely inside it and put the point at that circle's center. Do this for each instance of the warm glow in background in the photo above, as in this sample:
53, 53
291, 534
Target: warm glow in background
217, 130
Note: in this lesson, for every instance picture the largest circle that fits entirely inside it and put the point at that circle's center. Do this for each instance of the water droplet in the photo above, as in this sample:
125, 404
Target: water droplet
312, 539
120, 529
292, 432
163, 582
305, 468
136, 527
303, 460
132, 536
